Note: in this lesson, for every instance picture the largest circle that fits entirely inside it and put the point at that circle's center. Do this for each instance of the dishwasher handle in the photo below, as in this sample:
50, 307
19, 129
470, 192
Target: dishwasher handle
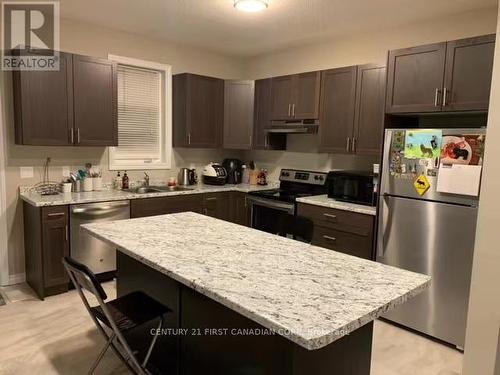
100, 209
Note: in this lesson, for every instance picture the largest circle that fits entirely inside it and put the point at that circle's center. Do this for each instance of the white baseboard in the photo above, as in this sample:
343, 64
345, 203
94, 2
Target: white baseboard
17, 278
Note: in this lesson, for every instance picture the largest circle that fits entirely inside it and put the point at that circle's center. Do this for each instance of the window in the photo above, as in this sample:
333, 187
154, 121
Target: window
144, 115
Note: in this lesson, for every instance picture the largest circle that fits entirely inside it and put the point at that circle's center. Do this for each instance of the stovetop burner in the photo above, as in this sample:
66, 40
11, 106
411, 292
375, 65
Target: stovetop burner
295, 184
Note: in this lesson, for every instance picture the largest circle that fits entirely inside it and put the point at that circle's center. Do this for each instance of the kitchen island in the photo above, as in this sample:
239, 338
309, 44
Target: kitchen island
249, 302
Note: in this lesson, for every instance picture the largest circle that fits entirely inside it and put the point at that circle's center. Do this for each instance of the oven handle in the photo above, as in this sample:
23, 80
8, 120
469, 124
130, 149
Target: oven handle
285, 207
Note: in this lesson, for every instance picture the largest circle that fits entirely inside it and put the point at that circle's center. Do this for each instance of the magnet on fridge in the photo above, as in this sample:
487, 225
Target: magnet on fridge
403, 168
421, 184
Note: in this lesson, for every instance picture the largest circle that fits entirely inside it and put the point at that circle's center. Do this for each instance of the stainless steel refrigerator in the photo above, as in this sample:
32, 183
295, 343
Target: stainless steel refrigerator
431, 233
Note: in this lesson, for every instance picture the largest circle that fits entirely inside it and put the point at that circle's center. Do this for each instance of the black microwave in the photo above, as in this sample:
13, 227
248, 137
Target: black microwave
352, 186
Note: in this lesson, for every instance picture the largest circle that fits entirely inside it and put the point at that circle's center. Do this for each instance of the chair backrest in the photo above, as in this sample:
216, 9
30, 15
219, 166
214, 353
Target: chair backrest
84, 278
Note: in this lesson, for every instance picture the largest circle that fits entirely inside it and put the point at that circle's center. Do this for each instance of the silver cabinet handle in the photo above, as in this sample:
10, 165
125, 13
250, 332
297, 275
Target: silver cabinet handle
266, 140
330, 216
210, 199
348, 144
289, 110
293, 110
72, 135
444, 96
189, 138
436, 98
66, 232
329, 238
78, 135
353, 148
56, 214
250, 141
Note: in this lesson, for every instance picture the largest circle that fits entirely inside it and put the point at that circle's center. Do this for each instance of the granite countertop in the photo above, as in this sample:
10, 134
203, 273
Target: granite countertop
324, 201
38, 200
311, 295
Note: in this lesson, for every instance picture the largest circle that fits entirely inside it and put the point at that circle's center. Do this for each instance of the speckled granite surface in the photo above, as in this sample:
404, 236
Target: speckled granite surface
324, 201
113, 195
311, 295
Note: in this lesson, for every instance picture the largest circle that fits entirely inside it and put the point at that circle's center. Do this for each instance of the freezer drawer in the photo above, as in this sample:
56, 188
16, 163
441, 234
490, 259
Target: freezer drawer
436, 239
94, 253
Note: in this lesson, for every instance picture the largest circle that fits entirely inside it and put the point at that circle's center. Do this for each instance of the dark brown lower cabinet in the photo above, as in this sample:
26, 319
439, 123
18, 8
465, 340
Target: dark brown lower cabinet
343, 231
46, 242
166, 205
216, 205
239, 209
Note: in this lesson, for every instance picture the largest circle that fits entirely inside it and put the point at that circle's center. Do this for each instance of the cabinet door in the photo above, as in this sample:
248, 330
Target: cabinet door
95, 101
369, 113
469, 67
338, 96
262, 140
305, 104
43, 105
415, 79
216, 205
238, 114
281, 97
205, 108
55, 245
239, 210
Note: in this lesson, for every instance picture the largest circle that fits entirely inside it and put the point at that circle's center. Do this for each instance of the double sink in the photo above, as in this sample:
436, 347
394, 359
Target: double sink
157, 189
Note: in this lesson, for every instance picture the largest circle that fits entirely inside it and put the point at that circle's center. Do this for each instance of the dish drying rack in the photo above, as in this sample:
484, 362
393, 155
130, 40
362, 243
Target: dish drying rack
47, 187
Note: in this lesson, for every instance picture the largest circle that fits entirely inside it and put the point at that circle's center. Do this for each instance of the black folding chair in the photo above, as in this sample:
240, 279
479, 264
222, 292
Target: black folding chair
119, 315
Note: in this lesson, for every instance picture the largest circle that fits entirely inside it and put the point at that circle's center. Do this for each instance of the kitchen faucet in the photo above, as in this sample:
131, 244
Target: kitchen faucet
146, 179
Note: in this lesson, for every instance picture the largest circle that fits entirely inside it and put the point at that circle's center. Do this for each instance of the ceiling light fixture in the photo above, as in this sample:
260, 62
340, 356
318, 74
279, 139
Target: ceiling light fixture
251, 5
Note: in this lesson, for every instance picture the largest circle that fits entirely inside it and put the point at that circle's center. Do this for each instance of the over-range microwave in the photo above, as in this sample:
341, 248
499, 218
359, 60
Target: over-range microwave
352, 186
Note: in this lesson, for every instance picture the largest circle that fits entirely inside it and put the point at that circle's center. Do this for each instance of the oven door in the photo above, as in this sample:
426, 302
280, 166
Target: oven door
279, 218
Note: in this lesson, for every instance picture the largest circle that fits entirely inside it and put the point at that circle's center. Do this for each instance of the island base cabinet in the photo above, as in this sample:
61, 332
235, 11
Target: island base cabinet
214, 339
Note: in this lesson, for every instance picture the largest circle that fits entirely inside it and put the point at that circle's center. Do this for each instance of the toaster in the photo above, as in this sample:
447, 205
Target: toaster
214, 174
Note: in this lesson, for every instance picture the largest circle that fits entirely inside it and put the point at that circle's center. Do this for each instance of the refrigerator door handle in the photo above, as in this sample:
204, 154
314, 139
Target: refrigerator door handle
384, 220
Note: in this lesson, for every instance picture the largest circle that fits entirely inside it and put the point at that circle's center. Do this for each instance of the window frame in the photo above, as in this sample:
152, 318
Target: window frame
166, 148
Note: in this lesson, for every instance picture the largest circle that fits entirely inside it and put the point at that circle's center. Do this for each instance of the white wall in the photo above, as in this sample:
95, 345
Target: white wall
483, 325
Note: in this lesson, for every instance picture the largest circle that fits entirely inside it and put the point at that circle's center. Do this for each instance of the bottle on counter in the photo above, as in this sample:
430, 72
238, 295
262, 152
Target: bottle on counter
117, 181
125, 181
245, 174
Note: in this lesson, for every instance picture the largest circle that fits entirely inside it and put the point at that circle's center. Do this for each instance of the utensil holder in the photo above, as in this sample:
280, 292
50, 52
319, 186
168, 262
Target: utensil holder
66, 187
87, 184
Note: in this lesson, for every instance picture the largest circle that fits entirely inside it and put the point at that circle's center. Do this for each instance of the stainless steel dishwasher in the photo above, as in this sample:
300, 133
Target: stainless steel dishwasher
97, 255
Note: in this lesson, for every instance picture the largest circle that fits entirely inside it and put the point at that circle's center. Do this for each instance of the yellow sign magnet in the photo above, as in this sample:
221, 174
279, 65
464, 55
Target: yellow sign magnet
422, 184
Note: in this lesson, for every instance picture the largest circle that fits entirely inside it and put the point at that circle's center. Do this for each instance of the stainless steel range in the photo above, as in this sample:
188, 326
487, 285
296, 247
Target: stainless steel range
274, 210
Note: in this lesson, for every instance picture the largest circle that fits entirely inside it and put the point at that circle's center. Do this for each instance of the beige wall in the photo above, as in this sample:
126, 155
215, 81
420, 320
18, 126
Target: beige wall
352, 50
94, 41
483, 325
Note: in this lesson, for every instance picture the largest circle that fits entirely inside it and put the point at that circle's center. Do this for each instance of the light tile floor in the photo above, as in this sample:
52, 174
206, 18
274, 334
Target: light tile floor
56, 336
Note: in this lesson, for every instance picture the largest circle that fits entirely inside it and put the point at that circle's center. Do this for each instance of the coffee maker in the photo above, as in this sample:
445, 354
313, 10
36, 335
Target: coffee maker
234, 171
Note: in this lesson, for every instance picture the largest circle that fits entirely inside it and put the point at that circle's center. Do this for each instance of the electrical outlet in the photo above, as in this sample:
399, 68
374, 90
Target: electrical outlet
26, 172
65, 171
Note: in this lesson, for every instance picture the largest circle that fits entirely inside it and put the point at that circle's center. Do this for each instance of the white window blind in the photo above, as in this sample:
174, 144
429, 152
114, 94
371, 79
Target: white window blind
139, 114
144, 115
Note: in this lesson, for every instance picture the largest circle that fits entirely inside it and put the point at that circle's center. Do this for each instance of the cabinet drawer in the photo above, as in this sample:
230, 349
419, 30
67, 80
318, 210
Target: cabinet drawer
347, 243
55, 213
345, 221
165, 205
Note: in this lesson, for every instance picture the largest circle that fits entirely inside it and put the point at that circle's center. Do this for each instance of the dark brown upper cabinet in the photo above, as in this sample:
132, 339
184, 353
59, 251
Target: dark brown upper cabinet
262, 139
198, 111
43, 105
338, 98
352, 110
448, 76
469, 67
95, 101
76, 105
295, 97
369, 113
238, 114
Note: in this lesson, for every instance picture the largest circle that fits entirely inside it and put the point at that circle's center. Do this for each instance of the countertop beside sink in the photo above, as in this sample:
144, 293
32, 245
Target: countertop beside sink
38, 200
